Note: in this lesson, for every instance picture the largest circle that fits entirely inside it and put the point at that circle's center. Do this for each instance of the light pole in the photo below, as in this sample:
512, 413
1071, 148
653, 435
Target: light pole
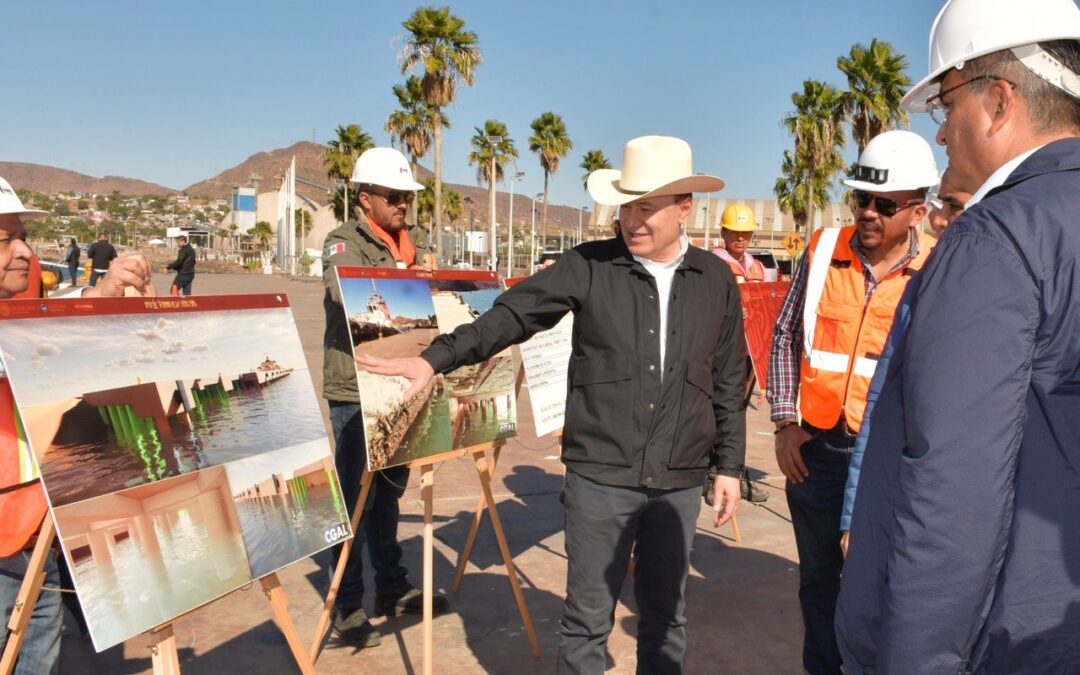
532, 233
493, 142
580, 211
466, 241
518, 175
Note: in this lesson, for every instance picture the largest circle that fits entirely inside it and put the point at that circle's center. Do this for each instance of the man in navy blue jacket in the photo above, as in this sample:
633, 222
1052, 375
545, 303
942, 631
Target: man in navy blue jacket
965, 544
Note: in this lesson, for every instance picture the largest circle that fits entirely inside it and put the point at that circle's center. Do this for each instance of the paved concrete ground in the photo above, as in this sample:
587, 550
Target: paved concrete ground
743, 615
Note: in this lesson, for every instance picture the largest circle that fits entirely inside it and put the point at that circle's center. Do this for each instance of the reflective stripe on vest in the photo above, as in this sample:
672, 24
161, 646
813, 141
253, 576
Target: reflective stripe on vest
843, 332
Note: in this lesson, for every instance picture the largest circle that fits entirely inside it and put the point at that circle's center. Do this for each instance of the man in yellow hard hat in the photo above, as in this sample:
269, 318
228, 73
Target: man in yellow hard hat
737, 229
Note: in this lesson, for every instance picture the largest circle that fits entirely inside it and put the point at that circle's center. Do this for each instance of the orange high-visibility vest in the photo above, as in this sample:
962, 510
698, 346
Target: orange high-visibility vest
755, 273
843, 334
22, 499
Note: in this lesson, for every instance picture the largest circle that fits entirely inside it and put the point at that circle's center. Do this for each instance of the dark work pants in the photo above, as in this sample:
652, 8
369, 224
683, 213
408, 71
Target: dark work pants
380, 522
181, 285
73, 270
603, 523
816, 505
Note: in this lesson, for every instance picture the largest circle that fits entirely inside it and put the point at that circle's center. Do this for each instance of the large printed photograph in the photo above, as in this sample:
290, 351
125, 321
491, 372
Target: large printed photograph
398, 313
113, 401
180, 445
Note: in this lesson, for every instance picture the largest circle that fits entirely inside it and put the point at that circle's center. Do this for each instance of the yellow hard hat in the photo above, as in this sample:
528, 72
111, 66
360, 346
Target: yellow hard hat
738, 217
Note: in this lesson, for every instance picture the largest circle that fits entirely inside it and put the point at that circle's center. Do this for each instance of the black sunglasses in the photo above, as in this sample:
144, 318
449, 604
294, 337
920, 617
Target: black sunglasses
883, 205
395, 197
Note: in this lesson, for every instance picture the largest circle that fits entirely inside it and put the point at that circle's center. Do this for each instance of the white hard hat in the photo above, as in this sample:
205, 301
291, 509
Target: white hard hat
385, 167
968, 29
10, 203
895, 160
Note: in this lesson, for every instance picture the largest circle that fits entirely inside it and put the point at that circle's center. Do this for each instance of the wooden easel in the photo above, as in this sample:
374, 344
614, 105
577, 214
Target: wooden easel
427, 488
162, 639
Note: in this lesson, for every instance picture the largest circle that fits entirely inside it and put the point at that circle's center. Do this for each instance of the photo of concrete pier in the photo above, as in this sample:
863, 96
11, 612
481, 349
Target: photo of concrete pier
481, 397
144, 555
398, 432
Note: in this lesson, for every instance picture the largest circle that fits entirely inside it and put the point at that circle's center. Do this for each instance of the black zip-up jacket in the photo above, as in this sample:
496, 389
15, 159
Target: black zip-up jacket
624, 425
185, 261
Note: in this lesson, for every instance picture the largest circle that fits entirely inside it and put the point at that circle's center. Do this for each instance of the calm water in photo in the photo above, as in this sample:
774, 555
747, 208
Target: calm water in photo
137, 592
430, 431
92, 457
280, 530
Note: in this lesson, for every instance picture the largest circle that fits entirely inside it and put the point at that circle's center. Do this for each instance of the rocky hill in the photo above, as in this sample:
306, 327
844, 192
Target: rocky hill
49, 179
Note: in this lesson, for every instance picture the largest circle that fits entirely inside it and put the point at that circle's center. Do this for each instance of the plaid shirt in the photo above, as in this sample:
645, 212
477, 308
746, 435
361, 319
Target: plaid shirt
787, 344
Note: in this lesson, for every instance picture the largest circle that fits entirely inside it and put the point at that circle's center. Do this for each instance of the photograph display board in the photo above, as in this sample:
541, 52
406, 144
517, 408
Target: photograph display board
761, 306
180, 445
546, 357
395, 313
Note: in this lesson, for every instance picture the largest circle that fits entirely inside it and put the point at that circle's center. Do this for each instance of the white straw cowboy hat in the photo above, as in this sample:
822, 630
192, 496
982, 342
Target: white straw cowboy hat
653, 166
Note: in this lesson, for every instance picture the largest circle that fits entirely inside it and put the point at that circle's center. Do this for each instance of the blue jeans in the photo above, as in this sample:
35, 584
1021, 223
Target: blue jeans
381, 512
816, 505
40, 652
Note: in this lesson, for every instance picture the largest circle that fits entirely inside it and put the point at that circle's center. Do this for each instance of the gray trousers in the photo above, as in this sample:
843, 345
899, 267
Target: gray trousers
603, 524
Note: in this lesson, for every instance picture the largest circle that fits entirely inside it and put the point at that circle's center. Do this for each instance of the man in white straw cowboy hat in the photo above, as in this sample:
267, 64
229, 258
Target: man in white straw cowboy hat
655, 398
965, 541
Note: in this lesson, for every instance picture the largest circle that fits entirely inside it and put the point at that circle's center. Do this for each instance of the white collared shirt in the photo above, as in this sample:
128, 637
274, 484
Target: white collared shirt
664, 274
999, 177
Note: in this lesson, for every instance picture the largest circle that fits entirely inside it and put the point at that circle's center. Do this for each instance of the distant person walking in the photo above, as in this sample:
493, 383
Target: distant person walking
101, 253
184, 266
71, 257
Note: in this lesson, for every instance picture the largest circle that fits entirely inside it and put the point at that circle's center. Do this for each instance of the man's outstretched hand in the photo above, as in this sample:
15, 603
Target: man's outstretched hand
414, 369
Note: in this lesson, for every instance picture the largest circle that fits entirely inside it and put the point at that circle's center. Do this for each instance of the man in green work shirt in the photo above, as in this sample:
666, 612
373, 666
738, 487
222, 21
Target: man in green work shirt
377, 236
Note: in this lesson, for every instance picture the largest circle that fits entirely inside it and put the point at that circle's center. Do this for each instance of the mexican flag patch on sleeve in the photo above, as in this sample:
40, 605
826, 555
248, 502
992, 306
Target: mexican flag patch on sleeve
336, 248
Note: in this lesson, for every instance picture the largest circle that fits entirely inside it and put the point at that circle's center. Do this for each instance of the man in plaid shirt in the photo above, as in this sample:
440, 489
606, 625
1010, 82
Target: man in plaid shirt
830, 331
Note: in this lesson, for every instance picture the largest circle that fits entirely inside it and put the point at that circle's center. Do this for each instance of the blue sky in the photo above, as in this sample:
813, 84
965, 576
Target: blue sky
176, 92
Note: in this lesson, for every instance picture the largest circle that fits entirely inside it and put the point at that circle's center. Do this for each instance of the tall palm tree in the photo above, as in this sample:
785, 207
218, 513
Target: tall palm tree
817, 126
411, 125
340, 157
876, 83
449, 54
551, 143
483, 151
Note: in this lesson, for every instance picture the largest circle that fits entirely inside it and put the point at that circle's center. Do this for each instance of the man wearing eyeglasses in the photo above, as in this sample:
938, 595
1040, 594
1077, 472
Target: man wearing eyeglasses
965, 539
829, 334
375, 235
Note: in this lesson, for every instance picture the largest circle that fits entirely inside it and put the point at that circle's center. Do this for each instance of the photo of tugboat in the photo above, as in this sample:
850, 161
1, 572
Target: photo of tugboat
374, 321
397, 432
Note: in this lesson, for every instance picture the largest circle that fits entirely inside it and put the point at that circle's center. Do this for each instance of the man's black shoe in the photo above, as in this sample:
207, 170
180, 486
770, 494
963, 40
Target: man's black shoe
354, 628
408, 599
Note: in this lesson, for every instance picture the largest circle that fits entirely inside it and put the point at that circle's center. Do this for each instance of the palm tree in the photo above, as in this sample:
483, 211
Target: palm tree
876, 83
410, 127
483, 151
791, 189
340, 157
232, 228
817, 126
263, 233
425, 203
449, 54
593, 160
551, 143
